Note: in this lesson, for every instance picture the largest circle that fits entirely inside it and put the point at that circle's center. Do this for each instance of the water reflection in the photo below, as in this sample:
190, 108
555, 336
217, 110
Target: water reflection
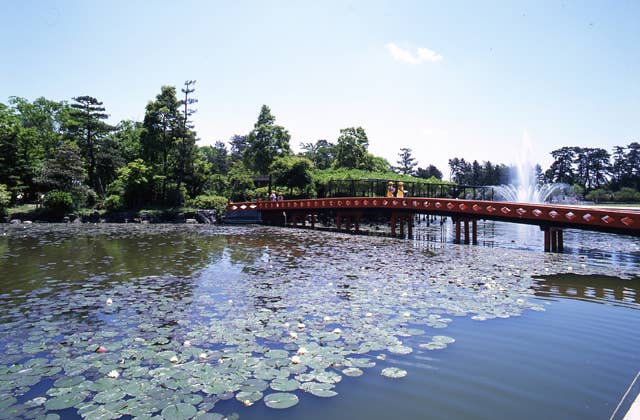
600, 289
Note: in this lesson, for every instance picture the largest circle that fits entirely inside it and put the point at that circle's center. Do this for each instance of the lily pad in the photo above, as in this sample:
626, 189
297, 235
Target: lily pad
352, 371
179, 411
394, 372
281, 400
284, 385
248, 397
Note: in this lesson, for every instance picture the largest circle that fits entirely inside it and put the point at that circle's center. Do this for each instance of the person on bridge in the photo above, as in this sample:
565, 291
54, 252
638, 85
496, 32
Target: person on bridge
273, 196
400, 192
390, 189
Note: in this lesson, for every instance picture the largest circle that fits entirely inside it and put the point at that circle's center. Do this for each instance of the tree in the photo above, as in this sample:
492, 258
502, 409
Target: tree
132, 184
321, 153
5, 200
266, 142
352, 148
406, 163
186, 145
428, 172
561, 170
161, 126
460, 171
87, 127
65, 171
12, 163
293, 172
240, 183
127, 135
238, 145
217, 156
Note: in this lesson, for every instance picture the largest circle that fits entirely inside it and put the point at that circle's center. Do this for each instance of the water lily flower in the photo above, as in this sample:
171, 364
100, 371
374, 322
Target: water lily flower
295, 359
113, 374
337, 331
174, 359
101, 349
202, 355
109, 302
293, 334
186, 343
368, 314
300, 326
406, 314
326, 319
302, 350
247, 403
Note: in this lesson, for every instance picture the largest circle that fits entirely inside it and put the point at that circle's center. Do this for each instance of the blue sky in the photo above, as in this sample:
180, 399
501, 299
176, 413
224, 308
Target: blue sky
447, 79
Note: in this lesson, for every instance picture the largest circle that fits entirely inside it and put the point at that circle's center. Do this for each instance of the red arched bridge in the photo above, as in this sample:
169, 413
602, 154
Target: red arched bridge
348, 211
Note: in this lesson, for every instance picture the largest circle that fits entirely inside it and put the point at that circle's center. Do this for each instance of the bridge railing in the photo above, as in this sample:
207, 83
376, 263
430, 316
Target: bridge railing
336, 188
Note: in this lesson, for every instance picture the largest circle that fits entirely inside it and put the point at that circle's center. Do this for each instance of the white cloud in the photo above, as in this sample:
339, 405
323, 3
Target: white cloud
421, 54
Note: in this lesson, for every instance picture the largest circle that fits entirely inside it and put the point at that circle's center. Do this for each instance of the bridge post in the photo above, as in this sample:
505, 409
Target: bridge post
457, 224
466, 231
553, 239
560, 234
393, 224
547, 240
474, 231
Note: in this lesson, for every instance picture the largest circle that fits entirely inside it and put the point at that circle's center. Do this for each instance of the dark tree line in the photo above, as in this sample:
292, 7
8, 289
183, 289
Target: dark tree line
595, 168
476, 173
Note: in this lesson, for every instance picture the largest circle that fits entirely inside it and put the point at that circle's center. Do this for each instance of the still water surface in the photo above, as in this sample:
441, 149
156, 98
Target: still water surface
528, 335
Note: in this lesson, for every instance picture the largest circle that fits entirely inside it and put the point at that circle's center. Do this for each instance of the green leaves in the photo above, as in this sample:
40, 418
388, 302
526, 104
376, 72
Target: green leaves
281, 400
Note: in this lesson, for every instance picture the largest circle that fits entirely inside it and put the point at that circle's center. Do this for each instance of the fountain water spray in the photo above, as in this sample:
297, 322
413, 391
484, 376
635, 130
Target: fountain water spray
525, 188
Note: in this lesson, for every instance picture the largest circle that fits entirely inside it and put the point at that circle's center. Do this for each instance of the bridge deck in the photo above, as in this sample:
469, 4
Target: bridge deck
545, 215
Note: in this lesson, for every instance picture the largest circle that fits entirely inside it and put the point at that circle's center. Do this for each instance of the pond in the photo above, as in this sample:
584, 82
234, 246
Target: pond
184, 321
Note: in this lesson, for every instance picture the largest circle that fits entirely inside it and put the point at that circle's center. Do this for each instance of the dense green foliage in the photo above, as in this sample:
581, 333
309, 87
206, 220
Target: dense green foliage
5, 200
210, 202
69, 148
58, 202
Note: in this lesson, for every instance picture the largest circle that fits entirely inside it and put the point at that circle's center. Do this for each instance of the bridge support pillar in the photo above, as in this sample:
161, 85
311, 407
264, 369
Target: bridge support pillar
470, 230
401, 218
349, 218
553, 239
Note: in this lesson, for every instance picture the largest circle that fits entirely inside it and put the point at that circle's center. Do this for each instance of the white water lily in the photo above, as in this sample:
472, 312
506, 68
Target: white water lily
113, 374
293, 334
368, 314
301, 326
326, 319
302, 350
295, 359
202, 355
187, 343
337, 331
406, 314
174, 359
109, 301
285, 325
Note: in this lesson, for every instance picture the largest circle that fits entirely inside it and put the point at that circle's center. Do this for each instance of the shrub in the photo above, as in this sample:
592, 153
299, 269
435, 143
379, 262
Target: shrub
113, 202
5, 199
59, 202
598, 195
215, 202
627, 195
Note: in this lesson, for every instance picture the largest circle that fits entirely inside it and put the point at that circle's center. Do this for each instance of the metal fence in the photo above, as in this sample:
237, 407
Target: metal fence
378, 188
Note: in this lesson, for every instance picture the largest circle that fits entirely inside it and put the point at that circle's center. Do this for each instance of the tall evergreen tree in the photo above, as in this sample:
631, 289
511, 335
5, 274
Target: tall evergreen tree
87, 126
266, 142
186, 144
406, 162
161, 127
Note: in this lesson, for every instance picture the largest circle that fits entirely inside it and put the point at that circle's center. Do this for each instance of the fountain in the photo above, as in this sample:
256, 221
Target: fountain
525, 188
